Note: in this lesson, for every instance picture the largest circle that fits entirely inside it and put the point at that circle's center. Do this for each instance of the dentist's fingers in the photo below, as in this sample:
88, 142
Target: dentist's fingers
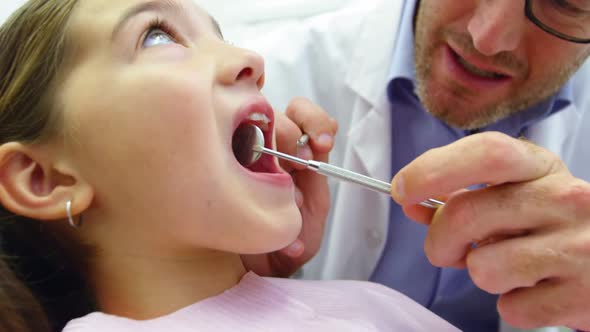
487, 158
315, 122
304, 117
552, 302
518, 262
424, 215
287, 133
294, 250
313, 196
530, 225
503, 211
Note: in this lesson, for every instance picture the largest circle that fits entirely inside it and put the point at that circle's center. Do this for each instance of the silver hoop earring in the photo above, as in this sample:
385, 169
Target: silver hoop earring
71, 218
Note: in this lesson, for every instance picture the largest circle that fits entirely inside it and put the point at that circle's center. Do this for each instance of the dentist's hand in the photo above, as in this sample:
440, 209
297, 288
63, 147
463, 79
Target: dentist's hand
530, 225
312, 193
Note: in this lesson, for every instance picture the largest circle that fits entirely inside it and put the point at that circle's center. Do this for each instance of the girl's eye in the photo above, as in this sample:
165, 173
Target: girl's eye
157, 37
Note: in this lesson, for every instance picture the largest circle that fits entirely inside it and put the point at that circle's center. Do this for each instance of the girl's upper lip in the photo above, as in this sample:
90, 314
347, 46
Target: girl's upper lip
254, 105
481, 64
258, 104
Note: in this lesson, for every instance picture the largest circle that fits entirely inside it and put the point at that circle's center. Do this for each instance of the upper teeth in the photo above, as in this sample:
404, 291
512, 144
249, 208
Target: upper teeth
261, 120
474, 70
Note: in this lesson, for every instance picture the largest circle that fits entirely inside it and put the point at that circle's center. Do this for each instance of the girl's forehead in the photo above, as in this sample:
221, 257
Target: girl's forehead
114, 9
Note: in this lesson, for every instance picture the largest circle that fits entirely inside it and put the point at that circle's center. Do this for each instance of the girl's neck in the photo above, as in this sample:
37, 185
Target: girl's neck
148, 287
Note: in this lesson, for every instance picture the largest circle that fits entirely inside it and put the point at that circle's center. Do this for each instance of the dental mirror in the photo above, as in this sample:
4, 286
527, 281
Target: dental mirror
248, 146
245, 139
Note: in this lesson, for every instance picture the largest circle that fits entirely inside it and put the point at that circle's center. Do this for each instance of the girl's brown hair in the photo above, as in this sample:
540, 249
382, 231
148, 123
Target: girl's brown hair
39, 291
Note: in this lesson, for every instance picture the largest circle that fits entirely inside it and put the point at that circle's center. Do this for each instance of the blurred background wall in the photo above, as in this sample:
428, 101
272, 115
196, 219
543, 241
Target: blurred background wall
238, 11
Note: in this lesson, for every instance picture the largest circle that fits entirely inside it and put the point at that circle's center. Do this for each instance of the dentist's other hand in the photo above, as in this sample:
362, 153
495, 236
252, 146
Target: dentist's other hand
530, 225
312, 193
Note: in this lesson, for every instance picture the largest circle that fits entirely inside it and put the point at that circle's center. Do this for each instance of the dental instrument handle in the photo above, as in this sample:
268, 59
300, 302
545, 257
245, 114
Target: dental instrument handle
345, 175
363, 180
349, 176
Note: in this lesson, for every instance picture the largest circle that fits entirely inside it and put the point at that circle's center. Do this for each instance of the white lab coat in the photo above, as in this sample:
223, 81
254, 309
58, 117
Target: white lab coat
341, 61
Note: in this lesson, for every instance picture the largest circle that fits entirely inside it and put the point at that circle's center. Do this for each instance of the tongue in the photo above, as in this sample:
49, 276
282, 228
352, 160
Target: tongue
262, 165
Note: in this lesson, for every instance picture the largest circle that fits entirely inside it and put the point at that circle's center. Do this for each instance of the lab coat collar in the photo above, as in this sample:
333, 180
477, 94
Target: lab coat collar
402, 63
370, 130
368, 75
556, 132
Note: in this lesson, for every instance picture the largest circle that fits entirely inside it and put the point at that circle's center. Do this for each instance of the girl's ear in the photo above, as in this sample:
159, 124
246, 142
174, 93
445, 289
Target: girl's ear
35, 186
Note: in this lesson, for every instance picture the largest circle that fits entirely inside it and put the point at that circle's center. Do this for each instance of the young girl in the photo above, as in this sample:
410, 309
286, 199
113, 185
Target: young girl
122, 195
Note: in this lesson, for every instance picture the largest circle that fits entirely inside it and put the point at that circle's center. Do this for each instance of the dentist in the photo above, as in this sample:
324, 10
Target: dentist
444, 96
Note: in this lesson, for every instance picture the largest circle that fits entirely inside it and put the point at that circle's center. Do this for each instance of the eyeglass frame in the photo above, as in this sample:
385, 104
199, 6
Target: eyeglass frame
528, 10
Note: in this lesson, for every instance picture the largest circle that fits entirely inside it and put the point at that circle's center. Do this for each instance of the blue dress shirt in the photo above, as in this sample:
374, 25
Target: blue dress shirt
449, 293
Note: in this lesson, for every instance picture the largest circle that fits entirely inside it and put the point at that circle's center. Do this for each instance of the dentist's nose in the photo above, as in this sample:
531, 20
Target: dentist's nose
497, 26
240, 65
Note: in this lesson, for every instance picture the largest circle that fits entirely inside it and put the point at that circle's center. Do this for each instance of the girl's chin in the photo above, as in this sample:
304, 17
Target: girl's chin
277, 239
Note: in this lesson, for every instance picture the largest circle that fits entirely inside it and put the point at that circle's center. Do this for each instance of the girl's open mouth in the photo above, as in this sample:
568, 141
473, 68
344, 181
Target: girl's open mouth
261, 115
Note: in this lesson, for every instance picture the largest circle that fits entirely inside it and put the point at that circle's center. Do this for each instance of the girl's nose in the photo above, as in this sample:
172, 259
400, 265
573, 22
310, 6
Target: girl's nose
497, 26
240, 65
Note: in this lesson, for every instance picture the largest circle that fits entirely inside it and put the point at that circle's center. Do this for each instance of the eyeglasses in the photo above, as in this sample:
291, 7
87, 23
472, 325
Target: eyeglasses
561, 18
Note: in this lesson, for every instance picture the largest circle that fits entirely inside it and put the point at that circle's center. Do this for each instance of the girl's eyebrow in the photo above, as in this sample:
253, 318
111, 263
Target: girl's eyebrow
154, 5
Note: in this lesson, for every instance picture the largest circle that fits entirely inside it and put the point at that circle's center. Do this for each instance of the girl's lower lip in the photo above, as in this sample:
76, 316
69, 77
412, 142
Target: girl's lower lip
281, 179
466, 78
271, 173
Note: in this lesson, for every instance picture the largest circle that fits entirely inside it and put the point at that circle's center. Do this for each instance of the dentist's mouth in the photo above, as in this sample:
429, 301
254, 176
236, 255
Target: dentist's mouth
475, 70
473, 74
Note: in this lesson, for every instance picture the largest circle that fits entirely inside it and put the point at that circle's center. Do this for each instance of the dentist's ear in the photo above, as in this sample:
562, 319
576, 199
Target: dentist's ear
35, 186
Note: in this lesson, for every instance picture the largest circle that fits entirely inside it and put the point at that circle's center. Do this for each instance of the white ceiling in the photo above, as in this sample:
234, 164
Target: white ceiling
237, 11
